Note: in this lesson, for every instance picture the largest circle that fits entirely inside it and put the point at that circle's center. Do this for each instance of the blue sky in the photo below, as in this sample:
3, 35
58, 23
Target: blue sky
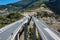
3, 2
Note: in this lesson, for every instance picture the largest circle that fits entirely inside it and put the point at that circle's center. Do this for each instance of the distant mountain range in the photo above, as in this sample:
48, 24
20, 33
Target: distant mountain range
17, 6
30, 4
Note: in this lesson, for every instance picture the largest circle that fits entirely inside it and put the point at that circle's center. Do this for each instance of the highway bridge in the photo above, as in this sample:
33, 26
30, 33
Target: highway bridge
13, 31
45, 31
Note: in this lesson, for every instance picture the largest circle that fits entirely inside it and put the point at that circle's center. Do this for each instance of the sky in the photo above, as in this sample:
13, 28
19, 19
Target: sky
4, 2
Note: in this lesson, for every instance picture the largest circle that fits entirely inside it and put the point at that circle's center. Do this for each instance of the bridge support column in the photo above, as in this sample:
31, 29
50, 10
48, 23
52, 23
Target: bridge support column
34, 34
26, 29
25, 32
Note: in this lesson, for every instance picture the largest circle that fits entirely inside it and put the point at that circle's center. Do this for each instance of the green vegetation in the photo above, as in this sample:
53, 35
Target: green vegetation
23, 4
31, 33
18, 5
36, 4
45, 14
54, 6
7, 19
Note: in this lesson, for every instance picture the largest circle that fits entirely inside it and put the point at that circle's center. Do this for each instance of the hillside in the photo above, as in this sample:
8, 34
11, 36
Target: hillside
31, 4
17, 6
54, 6
7, 19
36, 4
23, 4
40, 6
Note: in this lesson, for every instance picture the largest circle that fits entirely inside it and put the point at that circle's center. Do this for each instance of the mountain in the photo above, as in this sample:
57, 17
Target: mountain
36, 4
31, 4
54, 6
17, 6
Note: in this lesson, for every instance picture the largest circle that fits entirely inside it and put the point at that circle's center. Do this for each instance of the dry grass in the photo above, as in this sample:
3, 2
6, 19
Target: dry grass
22, 36
55, 26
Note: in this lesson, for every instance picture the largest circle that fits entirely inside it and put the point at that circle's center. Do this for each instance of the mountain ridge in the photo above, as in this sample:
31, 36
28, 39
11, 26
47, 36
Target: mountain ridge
29, 4
20, 5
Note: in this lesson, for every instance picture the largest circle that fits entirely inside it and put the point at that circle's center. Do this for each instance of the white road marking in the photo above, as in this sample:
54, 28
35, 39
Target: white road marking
52, 34
42, 23
44, 37
36, 20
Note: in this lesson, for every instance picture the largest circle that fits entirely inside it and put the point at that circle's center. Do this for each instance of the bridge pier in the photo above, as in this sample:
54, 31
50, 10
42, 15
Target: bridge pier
34, 34
26, 28
25, 32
